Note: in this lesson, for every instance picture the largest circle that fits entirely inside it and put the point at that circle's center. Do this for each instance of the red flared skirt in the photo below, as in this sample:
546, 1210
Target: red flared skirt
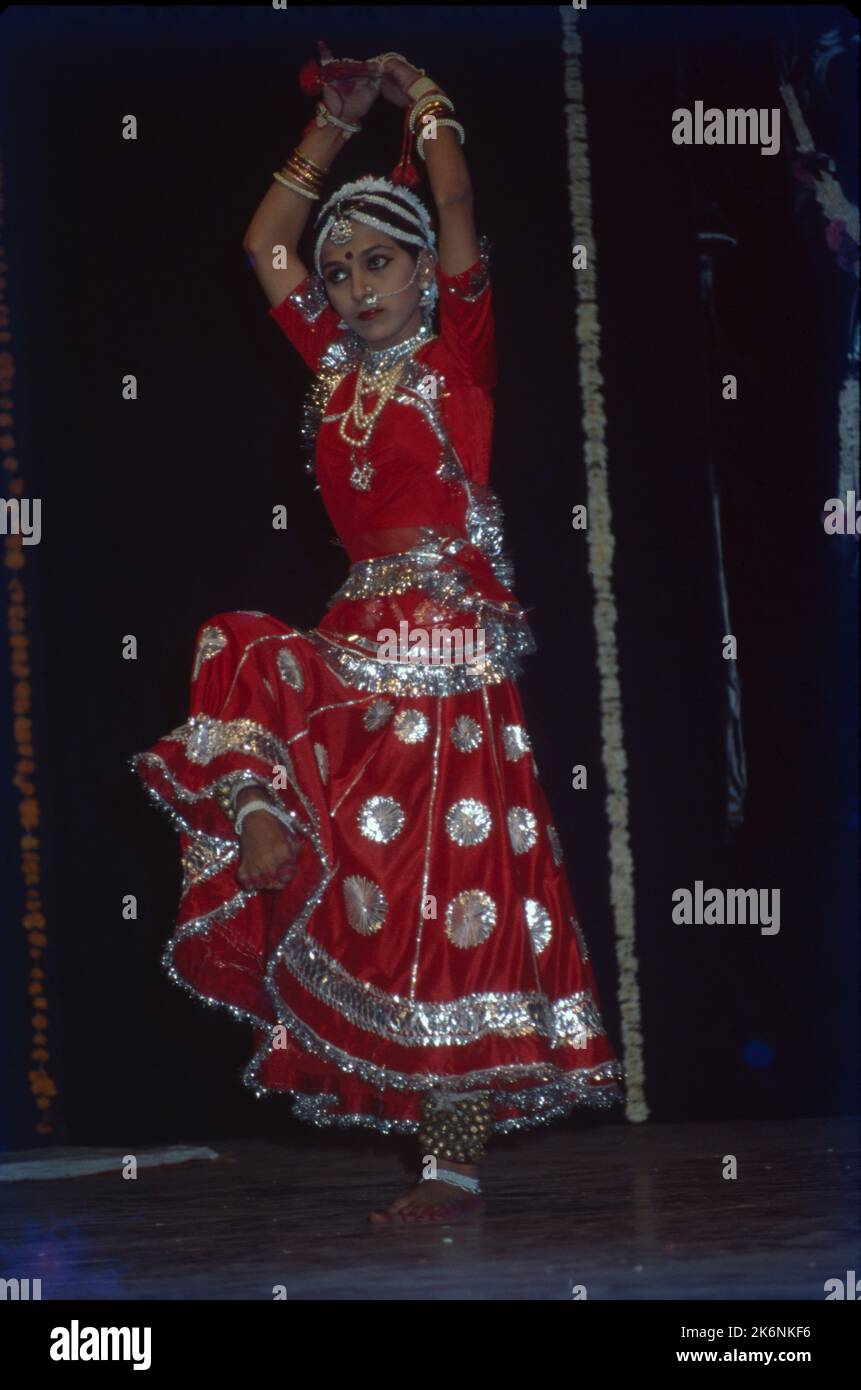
429, 937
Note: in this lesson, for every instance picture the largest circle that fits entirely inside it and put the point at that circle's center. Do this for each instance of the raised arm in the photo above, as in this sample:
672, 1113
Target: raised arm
281, 218
447, 172
282, 215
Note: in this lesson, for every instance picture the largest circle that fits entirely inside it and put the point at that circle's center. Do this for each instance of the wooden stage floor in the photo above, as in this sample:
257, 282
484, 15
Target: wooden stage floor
628, 1211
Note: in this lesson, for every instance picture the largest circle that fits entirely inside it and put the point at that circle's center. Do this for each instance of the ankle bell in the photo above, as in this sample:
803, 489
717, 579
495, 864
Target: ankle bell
455, 1127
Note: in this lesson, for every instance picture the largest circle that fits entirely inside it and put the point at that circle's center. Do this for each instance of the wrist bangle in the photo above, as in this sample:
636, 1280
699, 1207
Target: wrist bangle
288, 183
303, 162
420, 86
305, 179
432, 103
278, 812
324, 115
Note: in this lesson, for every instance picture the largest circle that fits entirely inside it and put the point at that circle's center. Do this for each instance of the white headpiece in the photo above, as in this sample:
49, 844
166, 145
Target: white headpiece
384, 194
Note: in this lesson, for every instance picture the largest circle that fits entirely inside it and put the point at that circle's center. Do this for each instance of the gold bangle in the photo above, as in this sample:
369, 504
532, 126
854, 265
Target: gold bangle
438, 100
307, 180
438, 113
306, 163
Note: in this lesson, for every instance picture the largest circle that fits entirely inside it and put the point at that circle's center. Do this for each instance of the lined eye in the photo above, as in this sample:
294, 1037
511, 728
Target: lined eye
378, 256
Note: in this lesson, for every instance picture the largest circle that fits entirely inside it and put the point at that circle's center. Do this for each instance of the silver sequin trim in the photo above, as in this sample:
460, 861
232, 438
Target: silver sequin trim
581, 940
539, 923
468, 822
312, 301
470, 918
411, 726
206, 738
202, 861
480, 278
365, 903
522, 829
459, 1022
289, 669
381, 819
212, 641
403, 679
418, 568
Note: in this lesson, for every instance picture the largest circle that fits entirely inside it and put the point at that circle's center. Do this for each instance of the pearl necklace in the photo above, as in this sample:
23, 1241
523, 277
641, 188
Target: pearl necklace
380, 371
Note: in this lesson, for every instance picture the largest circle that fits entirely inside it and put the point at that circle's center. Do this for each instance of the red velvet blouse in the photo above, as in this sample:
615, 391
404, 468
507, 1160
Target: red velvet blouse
413, 434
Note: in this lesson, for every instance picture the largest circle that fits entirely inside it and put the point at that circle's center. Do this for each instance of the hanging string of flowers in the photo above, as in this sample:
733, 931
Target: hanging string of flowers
600, 540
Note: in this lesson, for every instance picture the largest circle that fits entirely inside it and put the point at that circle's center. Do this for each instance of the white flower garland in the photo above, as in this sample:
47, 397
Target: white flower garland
600, 540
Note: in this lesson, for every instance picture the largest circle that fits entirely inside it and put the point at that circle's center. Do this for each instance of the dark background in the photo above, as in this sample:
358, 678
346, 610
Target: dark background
126, 257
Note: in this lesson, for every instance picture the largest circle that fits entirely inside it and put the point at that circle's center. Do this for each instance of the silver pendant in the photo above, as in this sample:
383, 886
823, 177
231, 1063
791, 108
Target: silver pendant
362, 475
341, 231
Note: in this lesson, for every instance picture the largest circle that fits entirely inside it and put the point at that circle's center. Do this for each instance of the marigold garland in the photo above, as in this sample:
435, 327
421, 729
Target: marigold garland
42, 1085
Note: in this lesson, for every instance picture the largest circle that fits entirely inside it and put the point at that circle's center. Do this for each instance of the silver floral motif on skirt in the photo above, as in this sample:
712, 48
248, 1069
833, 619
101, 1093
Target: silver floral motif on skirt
366, 904
212, 641
381, 819
322, 760
555, 843
522, 829
516, 741
470, 918
466, 734
411, 726
377, 714
289, 669
539, 924
468, 822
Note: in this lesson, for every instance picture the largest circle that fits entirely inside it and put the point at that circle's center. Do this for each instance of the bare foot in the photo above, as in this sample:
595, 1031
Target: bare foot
268, 852
417, 1204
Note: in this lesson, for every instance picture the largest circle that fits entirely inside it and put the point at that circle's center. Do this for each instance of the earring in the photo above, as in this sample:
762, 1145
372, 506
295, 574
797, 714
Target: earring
426, 296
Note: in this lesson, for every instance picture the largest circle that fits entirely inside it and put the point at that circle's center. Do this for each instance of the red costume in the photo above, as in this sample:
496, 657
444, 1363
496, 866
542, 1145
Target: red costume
429, 938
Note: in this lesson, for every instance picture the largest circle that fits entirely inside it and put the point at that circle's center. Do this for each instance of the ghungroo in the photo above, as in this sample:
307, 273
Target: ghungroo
456, 1126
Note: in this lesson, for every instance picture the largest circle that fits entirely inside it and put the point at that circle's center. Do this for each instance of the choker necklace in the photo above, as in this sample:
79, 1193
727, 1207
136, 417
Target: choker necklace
377, 361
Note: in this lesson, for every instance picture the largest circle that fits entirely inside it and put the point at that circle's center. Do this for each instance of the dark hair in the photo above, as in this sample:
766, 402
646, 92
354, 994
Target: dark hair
355, 201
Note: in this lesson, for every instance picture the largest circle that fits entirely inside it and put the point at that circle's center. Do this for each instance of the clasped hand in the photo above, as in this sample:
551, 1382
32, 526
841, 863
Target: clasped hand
354, 86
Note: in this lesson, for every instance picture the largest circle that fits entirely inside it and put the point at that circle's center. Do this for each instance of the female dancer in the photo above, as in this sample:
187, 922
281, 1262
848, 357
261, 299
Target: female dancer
372, 877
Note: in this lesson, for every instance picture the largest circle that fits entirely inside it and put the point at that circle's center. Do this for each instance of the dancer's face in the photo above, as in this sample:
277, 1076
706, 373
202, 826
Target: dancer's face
371, 260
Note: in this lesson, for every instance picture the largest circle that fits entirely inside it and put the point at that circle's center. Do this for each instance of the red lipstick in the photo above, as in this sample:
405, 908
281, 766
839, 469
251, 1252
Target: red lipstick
370, 313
